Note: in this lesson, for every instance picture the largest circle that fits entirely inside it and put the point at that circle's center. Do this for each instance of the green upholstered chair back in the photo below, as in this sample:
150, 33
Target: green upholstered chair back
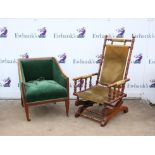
35, 69
114, 63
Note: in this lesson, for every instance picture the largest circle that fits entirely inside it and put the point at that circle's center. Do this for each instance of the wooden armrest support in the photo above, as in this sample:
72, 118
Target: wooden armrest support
83, 82
118, 83
85, 76
116, 90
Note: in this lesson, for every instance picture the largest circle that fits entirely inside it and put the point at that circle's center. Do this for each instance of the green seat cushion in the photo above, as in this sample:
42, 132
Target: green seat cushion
44, 90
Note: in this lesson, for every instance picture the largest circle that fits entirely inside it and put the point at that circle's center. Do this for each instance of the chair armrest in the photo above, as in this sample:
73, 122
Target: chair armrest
58, 74
118, 83
85, 76
83, 82
116, 90
21, 76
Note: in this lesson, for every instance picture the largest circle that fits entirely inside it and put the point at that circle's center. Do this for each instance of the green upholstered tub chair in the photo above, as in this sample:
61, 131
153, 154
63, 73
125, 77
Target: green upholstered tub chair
108, 90
42, 81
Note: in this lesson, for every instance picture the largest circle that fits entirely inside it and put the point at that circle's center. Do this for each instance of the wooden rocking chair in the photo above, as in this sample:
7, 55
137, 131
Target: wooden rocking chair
108, 90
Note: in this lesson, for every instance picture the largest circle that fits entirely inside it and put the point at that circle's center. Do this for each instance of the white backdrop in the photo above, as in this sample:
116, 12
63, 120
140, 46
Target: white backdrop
77, 44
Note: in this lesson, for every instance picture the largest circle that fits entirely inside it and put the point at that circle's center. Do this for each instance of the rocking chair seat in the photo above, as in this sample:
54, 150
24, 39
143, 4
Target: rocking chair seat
44, 90
97, 94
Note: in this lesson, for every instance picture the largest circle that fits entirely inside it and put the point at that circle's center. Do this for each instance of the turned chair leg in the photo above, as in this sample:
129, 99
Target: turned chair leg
27, 112
22, 102
67, 107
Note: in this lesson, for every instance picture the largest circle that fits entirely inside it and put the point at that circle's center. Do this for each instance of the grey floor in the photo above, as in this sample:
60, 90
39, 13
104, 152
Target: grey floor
51, 120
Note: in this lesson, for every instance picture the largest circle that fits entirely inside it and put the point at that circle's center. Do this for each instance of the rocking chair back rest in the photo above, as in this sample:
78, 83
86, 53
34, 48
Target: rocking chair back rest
115, 60
114, 64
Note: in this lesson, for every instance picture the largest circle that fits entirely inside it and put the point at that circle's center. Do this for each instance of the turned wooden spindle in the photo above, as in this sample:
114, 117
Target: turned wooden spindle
90, 82
109, 95
80, 84
118, 91
114, 92
75, 85
123, 87
85, 83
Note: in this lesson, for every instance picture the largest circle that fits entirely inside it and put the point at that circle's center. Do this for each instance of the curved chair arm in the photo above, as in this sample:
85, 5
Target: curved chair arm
83, 82
58, 75
21, 74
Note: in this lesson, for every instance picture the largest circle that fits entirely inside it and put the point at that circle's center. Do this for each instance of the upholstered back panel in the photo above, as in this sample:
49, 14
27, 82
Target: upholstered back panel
37, 69
113, 67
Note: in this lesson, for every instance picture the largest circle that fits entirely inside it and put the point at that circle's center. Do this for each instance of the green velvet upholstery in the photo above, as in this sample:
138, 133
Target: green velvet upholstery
44, 90
36, 69
43, 79
57, 75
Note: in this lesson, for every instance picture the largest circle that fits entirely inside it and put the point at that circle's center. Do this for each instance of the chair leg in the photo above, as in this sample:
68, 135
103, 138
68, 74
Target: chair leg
22, 102
27, 112
67, 107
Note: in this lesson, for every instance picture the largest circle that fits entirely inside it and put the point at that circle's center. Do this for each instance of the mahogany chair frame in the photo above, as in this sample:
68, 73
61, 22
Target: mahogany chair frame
113, 104
25, 104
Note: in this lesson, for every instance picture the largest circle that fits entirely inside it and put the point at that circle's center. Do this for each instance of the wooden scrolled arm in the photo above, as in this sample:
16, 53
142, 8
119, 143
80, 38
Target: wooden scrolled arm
85, 76
118, 83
